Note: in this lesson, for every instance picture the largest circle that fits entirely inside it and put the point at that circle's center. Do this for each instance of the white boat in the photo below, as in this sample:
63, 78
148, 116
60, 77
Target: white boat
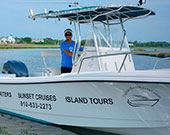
104, 91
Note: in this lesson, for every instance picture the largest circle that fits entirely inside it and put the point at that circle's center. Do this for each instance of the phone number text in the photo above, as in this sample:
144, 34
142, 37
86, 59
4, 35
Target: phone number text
35, 105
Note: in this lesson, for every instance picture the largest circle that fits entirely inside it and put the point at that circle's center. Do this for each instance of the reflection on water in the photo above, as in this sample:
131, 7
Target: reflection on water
10, 125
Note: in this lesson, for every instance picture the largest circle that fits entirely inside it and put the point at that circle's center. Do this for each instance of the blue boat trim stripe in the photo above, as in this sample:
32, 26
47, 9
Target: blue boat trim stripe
105, 81
81, 81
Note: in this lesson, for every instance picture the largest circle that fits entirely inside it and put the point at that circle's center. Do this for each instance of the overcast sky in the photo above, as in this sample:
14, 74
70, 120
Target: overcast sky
14, 19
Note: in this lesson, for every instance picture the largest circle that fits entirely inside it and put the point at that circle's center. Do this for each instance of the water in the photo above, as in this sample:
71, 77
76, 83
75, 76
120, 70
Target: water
34, 62
10, 125
31, 57
147, 62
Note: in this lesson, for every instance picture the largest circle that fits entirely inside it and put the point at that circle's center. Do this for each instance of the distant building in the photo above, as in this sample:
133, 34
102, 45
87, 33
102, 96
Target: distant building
8, 40
3, 40
37, 40
11, 40
131, 44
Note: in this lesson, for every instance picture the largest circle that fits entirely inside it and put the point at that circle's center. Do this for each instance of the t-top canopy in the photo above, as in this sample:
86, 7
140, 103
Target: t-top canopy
98, 13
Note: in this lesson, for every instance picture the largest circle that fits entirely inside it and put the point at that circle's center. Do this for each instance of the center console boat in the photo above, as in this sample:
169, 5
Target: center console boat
104, 91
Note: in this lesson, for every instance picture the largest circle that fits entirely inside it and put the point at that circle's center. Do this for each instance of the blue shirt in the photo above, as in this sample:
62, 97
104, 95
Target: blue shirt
66, 59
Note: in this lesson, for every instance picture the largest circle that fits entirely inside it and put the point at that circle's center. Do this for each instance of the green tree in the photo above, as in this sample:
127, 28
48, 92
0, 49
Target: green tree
27, 40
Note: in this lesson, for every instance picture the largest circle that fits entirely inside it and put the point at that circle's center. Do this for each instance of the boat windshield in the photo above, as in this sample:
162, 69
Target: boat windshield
112, 38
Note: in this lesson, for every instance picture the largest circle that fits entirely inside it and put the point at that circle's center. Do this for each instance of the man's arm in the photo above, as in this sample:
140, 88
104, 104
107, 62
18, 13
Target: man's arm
68, 53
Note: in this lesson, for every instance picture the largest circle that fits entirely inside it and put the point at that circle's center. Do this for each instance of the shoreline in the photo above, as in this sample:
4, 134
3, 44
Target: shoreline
152, 54
158, 54
18, 46
149, 47
34, 46
26, 46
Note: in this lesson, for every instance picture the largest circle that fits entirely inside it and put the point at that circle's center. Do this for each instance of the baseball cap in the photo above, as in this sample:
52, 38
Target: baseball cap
68, 30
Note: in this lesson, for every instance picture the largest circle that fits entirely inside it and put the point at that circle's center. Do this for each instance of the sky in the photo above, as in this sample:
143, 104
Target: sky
14, 19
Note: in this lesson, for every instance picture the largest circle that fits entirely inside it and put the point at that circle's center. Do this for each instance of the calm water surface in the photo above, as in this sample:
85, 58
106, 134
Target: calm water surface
10, 125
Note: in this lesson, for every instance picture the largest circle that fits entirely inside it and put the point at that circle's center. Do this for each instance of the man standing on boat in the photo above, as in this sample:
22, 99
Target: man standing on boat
67, 48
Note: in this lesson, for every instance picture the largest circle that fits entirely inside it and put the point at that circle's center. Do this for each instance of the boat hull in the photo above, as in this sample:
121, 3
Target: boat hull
108, 106
137, 131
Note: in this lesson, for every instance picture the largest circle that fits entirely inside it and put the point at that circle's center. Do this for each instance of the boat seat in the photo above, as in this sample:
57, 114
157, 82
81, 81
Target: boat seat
52, 71
48, 71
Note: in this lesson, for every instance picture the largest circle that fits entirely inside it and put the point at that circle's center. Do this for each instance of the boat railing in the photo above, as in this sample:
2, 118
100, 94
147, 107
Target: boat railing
115, 54
156, 63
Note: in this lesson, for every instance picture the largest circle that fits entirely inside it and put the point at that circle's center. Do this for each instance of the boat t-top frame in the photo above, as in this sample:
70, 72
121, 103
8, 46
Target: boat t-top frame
107, 15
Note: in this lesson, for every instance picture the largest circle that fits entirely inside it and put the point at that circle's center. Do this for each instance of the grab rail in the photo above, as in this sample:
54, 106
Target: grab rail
156, 63
115, 54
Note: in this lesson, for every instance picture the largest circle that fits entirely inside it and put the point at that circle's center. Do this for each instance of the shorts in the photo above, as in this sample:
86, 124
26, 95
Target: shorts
65, 70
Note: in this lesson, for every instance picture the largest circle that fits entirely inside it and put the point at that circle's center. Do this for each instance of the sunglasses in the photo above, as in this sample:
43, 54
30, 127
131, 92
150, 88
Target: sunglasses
68, 34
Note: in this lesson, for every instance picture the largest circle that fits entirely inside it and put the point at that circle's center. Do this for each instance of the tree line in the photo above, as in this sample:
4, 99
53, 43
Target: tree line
150, 44
45, 41
50, 41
